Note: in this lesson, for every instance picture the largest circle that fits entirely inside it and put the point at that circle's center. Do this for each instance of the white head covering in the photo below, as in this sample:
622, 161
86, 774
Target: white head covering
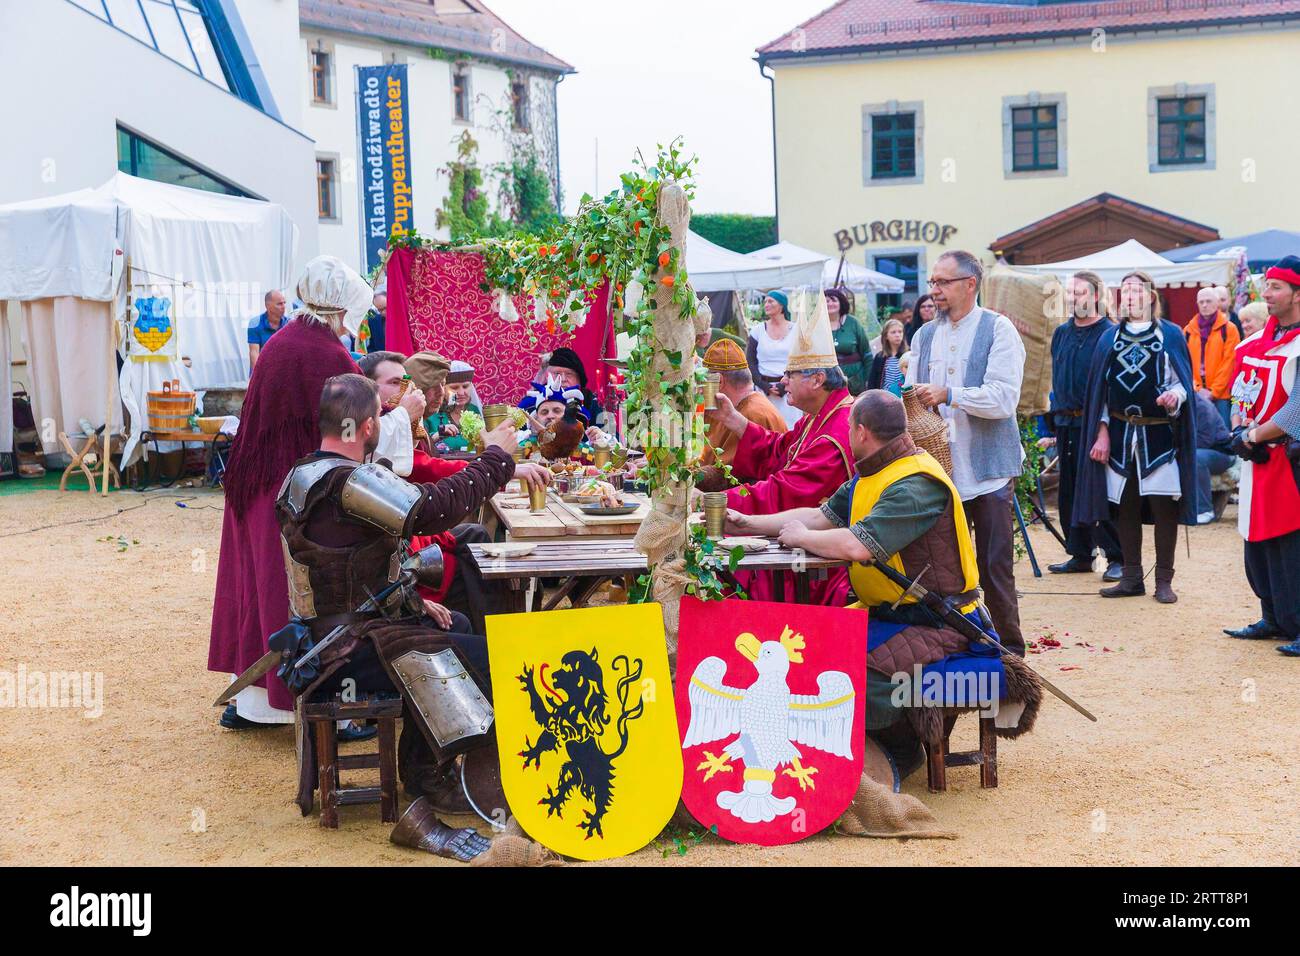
459, 366
329, 287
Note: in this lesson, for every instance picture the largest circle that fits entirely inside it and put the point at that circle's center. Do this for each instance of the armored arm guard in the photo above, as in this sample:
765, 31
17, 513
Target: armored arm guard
377, 496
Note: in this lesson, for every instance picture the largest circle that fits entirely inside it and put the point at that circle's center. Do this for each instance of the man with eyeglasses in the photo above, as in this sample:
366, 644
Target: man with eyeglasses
968, 364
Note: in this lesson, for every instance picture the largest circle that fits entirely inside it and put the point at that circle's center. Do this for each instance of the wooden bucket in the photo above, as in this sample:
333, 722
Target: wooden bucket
170, 411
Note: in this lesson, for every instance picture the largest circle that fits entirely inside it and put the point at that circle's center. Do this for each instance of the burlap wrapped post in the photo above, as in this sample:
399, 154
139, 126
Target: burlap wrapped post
662, 536
1035, 304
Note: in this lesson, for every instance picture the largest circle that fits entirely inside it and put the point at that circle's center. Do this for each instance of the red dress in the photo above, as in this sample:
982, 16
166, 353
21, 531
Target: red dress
800, 468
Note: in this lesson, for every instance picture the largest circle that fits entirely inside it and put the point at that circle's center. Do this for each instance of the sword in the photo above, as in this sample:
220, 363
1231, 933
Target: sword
371, 603
264, 665
425, 565
958, 622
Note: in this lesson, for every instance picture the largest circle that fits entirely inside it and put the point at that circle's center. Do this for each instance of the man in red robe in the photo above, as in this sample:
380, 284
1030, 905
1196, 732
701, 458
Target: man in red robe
1266, 406
803, 467
278, 426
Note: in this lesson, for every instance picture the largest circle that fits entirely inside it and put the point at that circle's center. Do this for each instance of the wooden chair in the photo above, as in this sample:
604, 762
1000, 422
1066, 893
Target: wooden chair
941, 757
320, 719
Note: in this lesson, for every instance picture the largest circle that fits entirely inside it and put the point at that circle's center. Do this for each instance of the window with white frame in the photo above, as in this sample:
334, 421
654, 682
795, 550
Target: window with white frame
1180, 127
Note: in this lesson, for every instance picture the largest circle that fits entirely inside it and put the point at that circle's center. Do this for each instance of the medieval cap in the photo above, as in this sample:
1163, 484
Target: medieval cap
427, 369
725, 355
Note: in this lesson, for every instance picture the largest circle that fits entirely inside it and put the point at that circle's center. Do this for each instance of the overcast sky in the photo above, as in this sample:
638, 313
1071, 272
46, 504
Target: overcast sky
650, 71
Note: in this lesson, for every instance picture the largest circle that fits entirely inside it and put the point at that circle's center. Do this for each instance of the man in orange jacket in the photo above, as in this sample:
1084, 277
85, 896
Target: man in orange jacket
1212, 341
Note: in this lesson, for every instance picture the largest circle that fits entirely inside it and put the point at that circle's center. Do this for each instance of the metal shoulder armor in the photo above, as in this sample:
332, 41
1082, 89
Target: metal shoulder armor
302, 478
375, 495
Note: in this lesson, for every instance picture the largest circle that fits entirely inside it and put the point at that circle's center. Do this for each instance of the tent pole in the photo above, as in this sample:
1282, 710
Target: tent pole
112, 372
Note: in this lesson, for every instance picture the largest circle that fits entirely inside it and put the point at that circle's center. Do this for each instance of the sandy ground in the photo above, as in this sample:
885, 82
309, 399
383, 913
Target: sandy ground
1194, 760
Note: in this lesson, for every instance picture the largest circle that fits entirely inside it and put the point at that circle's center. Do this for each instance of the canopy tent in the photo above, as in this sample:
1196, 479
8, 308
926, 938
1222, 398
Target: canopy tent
855, 278
715, 269
1263, 249
72, 259
1114, 263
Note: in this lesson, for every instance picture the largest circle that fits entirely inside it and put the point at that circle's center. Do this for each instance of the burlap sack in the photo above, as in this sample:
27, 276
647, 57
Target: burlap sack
513, 847
876, 811
1036, 306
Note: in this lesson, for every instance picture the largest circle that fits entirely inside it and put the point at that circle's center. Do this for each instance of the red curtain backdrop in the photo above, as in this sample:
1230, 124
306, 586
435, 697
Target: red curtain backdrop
435, 303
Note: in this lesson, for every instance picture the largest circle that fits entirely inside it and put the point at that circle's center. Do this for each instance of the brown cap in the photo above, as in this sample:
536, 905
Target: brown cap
725, 355
427, 369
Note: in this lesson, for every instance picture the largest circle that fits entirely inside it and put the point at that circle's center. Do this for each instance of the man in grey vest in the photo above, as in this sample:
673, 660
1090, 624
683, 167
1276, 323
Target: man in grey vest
968, 364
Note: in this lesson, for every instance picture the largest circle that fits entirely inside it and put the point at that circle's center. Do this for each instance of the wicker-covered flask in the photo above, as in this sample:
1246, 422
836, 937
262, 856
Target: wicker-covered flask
927, 428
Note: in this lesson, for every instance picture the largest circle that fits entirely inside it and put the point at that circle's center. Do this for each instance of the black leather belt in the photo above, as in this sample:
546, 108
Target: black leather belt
1141, 419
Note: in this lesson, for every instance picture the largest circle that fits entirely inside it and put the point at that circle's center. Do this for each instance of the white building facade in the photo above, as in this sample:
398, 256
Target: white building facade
189, 92
467, 72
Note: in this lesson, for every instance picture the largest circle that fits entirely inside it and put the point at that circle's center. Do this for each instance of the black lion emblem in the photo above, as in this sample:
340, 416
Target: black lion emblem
577, 722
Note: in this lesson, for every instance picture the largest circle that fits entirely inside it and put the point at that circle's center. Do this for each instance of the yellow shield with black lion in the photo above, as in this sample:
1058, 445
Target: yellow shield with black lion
591, 759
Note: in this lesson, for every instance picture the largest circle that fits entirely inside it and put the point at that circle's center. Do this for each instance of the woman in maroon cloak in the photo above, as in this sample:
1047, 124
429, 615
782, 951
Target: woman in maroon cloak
278, 426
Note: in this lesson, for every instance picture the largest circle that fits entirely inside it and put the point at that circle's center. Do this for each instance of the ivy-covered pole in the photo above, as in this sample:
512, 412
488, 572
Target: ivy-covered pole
668, 420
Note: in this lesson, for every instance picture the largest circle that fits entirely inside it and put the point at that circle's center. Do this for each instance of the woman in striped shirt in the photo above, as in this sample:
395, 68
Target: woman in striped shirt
886, 371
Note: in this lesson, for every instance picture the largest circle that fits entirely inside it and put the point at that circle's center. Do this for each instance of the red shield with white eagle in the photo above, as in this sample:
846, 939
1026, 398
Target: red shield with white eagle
771, 705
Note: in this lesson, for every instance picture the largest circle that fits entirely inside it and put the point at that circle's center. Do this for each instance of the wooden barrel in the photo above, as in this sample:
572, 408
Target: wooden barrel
170, 411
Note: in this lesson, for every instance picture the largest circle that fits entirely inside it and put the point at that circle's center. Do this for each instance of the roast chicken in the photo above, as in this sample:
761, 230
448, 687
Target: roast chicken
561, 438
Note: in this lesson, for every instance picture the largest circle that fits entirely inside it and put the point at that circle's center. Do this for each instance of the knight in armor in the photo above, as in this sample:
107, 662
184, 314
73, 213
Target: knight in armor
1142, 464
1266, 416
345, 523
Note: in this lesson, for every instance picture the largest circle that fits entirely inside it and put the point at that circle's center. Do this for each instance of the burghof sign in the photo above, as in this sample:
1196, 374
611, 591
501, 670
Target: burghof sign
586, 728
384, 140
894, 230
771, 699
153, 335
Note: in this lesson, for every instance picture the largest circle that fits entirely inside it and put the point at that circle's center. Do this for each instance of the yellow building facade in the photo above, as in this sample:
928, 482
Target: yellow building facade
1193, 129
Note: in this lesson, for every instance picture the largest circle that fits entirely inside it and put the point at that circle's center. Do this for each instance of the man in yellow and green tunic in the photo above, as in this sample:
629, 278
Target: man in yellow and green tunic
902, 509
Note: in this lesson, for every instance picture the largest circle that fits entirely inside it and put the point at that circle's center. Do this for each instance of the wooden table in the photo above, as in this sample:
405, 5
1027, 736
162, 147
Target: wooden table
216, 443
587, 564
560, 519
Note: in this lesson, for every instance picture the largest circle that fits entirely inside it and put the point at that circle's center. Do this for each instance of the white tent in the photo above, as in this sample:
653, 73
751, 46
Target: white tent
1114, 263
714, 269
66, 260
855, 278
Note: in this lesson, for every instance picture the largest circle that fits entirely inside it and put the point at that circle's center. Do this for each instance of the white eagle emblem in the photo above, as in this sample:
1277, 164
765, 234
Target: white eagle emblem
769, 720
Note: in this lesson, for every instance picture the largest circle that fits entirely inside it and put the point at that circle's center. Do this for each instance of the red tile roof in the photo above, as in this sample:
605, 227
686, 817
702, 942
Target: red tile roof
462, 26
867, 25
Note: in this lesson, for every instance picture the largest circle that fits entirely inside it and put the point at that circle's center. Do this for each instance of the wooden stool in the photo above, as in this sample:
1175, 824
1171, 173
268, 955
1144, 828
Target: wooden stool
941, 758
320, 718
93, 445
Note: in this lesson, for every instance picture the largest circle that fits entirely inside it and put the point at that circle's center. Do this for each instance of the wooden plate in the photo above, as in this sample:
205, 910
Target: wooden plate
600, 511
748, 543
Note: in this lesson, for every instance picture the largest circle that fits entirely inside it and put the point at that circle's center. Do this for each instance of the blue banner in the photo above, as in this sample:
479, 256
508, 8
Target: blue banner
383, 137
